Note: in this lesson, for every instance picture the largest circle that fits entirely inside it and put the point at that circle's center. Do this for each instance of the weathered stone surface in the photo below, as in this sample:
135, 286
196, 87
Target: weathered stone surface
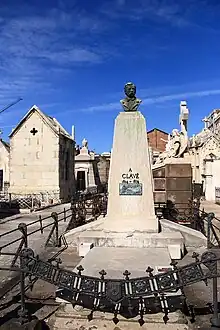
14, 324
159, 172
159, 184
115, 260
85, 162
178, 184
69, 321
180, 197
192, 238
160, 197
130, 156
136, 240
4, 164
38, 161
178, 170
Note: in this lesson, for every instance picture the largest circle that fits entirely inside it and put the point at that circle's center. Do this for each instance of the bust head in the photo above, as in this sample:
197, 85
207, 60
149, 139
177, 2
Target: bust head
130, 90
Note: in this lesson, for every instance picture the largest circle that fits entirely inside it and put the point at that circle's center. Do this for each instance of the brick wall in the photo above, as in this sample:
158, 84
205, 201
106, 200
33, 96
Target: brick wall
103, 164
154, 139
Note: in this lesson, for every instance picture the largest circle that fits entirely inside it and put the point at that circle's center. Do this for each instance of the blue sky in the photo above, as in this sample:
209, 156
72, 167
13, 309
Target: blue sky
73, 57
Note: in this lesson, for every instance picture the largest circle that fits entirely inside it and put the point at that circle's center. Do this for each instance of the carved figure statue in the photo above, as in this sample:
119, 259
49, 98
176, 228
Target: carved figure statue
84, 143
130, 102
178, 141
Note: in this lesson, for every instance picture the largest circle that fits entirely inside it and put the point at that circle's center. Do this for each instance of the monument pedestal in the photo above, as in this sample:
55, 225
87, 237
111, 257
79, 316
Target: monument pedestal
130, 201
131, 220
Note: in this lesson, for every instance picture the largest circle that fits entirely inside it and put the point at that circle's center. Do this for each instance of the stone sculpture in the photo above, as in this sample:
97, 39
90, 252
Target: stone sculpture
130, 102
178, 141
85, 143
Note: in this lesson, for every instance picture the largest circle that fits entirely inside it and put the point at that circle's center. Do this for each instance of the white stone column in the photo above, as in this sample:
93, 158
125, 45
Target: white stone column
130, 160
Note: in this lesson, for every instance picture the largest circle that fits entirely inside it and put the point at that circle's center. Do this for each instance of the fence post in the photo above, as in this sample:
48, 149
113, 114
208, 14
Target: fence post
73, 211
54, 215
215, 320
209, 220
10, 200
32, 202
64, 214
41, 225
24, 242
23, 314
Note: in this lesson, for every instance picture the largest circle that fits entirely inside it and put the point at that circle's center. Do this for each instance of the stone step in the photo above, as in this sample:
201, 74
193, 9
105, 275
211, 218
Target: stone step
136, 239
67, 317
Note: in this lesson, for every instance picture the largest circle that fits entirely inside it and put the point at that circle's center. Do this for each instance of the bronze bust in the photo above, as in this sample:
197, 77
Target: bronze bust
130, 103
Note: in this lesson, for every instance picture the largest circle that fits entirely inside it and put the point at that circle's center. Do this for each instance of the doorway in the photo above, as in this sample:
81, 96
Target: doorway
1, 180
81, 181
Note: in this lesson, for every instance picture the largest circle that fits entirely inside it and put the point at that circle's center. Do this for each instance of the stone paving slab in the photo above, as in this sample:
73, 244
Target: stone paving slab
116, 260
42, 290
35, 215
36, 241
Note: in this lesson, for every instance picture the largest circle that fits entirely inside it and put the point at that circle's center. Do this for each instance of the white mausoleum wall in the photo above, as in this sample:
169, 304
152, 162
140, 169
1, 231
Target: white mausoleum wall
34, 159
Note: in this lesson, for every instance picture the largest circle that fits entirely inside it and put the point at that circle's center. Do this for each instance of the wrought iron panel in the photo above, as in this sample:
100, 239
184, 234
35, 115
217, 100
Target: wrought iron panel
128, 297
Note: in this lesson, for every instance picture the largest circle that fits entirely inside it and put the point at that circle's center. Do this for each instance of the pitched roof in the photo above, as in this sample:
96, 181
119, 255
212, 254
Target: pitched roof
157, 129
5, 144
51, 122
202, 138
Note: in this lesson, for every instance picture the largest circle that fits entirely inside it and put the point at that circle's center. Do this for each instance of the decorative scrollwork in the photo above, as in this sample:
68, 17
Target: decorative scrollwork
129, 296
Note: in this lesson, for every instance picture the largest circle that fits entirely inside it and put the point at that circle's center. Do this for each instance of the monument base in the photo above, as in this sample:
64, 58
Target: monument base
77, 318
171, 241
130, 224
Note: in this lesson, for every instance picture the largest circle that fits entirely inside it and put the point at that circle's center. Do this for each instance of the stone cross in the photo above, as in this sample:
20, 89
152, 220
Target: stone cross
206, 121
33, 131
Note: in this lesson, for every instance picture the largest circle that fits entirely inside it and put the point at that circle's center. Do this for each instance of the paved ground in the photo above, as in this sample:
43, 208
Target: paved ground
199, 295
41, 290
41, 300
36, 241
214, 208
211, 207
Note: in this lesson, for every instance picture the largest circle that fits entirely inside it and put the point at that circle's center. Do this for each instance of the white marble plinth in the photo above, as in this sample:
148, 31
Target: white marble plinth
130, 161
136, 239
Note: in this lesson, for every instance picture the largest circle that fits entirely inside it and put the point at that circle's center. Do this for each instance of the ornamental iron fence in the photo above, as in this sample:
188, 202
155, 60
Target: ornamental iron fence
128, 297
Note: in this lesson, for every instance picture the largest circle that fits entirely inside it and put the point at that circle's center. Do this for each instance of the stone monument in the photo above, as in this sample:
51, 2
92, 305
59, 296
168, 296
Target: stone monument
128, 238
178, 140
130, 221
84, 168
130, 202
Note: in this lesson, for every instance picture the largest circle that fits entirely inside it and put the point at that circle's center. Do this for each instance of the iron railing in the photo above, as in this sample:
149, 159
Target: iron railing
217, 195
129, 297
193, 217
82, 211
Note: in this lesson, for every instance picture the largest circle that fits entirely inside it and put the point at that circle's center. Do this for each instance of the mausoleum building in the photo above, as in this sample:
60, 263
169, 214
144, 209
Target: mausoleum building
41, 158
4, 166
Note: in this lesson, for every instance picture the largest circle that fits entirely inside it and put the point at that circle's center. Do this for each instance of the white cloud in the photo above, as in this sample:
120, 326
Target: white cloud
38, 47
75, 55
165, 98
154, 100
